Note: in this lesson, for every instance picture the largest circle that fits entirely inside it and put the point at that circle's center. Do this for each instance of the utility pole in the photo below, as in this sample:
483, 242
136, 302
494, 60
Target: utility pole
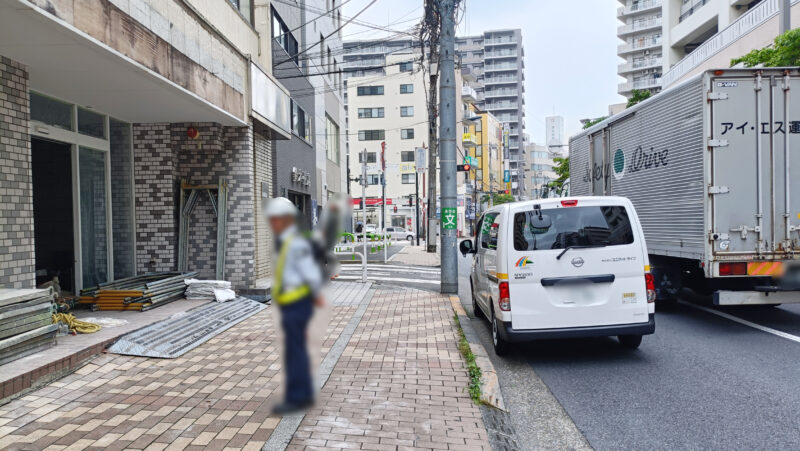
432, 153
416, 194
364, 212
383, 186
786, 15
447, 158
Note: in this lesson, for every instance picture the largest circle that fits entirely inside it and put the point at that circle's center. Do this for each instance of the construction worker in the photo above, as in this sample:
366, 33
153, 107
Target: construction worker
297, 281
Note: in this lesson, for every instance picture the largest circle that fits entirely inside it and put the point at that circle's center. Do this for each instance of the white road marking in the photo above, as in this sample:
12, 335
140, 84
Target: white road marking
766, 329
390, 279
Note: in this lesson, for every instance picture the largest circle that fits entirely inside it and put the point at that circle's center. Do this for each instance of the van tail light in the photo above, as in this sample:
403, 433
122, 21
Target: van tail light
569, 203
650, 284
505, 297
733, 269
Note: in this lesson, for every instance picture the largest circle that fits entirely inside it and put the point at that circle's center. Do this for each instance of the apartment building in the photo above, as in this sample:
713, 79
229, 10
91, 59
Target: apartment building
666, 41
110, 110
496, 59
642, 33
539, 168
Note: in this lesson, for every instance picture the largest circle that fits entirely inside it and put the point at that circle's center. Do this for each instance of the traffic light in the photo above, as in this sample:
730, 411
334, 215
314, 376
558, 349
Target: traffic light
463, 167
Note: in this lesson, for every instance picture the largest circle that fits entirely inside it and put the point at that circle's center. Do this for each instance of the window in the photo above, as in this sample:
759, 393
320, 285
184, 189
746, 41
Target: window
283, 38
407, 155
301, 122
478, 151
370, 90
366, 113
409, 178
332, 139
321, 51
244, 8
91, 123
488, 234
407, 89
406, 111
407, 133
372, 157
406, 67
50, 111
373, 179
371, 135
330, 60
574, 226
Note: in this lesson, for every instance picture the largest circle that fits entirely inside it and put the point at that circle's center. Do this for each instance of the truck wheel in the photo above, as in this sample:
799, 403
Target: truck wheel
500, 345
630, 341
475, 307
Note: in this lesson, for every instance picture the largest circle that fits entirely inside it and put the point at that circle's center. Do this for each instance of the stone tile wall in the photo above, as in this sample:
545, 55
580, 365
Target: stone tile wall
17, 260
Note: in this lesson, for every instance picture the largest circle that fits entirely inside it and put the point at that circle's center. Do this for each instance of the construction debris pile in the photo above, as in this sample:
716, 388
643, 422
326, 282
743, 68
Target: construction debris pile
209, 290
139, 293
25, 322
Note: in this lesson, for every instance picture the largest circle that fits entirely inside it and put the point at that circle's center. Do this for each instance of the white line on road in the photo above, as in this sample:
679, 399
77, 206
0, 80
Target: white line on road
390, 279
766, 329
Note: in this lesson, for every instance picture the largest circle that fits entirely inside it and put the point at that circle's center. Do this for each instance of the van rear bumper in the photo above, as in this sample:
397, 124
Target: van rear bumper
508, 333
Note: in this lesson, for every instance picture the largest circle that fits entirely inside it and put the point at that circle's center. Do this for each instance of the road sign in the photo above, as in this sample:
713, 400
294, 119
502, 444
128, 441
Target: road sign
422, 162
506, 176
449, 216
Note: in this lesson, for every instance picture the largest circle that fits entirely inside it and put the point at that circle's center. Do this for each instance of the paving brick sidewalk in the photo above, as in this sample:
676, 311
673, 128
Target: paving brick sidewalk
400, 382
416, 255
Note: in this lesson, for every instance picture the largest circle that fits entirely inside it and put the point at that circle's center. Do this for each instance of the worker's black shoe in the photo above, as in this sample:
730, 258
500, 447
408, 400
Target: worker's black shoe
287, 408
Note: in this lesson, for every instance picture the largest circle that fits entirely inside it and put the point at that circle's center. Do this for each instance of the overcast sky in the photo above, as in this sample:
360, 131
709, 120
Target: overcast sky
570, 49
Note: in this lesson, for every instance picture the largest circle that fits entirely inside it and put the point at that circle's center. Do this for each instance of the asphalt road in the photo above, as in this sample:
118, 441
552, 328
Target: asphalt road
701, 381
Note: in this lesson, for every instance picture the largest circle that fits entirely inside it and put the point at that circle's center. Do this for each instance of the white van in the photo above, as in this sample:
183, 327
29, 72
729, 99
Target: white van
562, 268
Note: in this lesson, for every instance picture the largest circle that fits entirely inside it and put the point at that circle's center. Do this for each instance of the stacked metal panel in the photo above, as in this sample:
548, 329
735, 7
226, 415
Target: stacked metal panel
139, 293
26, 324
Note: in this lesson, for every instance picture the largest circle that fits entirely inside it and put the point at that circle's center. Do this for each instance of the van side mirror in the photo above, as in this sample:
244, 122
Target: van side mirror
466, 247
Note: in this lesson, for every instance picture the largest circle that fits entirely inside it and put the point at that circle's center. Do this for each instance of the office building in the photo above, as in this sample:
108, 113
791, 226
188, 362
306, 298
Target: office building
496, 59
539, 168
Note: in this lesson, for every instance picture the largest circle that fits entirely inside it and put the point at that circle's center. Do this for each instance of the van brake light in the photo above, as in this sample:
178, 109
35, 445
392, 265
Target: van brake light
505, 297
650, 284
569, 203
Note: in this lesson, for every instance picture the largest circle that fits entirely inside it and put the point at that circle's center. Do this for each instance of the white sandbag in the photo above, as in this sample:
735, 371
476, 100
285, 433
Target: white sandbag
224, 294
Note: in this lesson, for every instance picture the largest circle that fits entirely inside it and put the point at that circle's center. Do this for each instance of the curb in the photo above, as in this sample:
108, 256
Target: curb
490, 385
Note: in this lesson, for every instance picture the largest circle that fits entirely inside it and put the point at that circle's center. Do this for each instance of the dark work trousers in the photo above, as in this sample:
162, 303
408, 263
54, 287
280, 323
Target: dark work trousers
294, 320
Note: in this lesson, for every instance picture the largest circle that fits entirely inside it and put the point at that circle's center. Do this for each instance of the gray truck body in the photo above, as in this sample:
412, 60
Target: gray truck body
708, 166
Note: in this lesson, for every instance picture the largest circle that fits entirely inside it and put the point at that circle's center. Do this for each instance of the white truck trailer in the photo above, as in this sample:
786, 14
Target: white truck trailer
712, 166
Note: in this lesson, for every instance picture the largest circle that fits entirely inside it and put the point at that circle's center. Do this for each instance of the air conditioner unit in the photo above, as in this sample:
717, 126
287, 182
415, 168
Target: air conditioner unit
647, 52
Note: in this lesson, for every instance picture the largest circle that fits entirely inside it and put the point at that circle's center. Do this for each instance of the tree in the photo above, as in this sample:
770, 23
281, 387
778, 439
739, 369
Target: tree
637, 95
591, 122
562, 170
784, 52
498, 199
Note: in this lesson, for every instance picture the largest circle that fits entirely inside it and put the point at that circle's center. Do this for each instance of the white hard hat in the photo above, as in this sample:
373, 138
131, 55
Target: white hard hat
280, 206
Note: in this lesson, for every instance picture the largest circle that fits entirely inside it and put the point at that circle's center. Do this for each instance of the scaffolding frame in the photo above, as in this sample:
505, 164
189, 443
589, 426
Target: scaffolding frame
218, 195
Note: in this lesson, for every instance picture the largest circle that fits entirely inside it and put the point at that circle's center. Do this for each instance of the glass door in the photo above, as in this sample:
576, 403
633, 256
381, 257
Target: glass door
94, 219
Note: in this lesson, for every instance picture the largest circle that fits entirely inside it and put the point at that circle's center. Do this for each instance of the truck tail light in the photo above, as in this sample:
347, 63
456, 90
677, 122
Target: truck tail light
569, 203
733, 269
650, 284
505, 297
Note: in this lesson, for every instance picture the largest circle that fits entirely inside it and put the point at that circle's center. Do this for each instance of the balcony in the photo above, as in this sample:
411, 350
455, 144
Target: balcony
469, 140
638, 8
468, 94
691, 7
502, 106
649, 83
639, 26
499, 41
501, 93
499, 67
639, 44
499, 80
501, 54
741, 27
647, 63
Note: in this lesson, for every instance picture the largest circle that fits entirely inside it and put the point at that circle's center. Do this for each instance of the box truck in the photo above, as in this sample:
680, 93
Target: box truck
712, 166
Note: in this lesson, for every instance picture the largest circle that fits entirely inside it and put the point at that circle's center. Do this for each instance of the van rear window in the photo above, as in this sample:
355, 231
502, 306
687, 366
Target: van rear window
573, 226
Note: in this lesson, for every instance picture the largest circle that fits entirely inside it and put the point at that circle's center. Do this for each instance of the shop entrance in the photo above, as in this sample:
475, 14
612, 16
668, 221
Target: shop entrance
303, 203
53, 212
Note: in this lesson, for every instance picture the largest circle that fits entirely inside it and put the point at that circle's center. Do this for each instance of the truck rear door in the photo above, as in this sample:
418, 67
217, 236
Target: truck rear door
753, 213
599, 282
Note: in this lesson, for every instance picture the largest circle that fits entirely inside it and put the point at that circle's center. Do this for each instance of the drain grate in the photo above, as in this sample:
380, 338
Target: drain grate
176, 336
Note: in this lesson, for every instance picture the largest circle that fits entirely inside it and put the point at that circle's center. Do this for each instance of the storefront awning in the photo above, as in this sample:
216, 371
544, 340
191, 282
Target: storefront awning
66, 63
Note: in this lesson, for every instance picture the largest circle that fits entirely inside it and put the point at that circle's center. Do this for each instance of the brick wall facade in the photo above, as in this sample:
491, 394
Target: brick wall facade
155, 198
17, 259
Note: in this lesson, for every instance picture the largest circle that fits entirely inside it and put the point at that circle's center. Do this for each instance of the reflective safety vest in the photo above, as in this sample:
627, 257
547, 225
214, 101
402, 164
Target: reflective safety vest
293, 295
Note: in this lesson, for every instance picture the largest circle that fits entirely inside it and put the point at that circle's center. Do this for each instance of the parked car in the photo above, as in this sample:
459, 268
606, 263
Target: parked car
562, 268
399, 233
